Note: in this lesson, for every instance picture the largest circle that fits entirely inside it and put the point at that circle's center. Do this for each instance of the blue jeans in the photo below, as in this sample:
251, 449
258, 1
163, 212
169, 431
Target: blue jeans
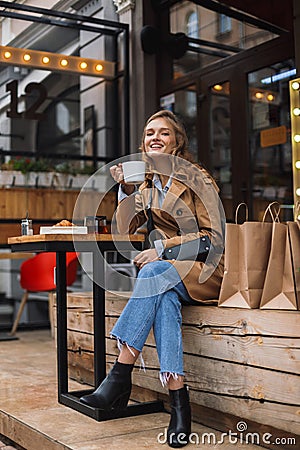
156, 302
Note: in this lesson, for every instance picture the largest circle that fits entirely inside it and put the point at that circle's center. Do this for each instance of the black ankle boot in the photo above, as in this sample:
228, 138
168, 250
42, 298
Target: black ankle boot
114, 391
180, 424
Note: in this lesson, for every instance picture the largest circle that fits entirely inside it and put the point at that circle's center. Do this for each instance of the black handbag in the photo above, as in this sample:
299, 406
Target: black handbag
195, 250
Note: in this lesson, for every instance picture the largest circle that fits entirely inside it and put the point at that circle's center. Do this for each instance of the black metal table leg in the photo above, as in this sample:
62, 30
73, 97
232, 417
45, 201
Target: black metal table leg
61, 300
99, 318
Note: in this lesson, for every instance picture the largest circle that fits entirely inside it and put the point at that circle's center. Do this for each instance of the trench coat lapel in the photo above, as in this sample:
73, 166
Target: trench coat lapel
175, 191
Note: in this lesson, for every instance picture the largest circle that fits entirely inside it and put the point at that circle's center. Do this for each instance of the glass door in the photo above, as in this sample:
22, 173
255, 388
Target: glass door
269, 138
220, 142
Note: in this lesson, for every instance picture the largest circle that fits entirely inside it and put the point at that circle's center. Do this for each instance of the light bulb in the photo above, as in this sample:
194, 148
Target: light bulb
297, 138
83, 65
295, 85
64, 62
296, 111
259, 95
99, 67
270, 97
27, 57
45, 59
218, 87
297, 164
7, 55
298, 191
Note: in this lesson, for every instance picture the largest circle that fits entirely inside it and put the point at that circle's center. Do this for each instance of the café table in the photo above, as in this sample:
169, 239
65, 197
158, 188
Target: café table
98, 245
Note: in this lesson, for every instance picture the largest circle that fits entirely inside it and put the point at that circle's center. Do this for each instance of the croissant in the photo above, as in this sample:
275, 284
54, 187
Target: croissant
64, 223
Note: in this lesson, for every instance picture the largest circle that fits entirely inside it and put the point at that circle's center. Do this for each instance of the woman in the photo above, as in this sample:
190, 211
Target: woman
175, 213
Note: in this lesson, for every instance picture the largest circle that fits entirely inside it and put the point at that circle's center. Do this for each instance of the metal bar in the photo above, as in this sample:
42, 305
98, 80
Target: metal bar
214, 45
126, 93
99, 317
61, 299
64, 15
54, 22
207, 52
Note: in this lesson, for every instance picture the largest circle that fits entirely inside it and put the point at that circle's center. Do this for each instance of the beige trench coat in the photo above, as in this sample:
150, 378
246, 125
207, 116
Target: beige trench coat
190, 209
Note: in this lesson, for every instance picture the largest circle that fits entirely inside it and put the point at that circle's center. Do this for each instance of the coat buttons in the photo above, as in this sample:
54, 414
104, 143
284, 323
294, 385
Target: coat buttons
179, 212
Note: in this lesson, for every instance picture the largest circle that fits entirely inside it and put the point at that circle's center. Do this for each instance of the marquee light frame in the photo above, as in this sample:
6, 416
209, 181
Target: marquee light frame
57, 62
295, 135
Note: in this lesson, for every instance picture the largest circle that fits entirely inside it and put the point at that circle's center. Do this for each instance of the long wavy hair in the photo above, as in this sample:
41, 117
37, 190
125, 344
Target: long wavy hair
181, 148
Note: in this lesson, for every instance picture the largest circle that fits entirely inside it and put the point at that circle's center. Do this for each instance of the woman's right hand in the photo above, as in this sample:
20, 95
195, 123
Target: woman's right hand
116, 172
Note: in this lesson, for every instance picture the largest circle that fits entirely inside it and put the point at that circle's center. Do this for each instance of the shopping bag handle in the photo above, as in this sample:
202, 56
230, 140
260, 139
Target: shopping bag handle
275, 215
238, 209
297, 212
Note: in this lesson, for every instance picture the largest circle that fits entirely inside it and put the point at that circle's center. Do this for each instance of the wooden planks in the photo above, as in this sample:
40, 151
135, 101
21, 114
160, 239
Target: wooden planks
239, 362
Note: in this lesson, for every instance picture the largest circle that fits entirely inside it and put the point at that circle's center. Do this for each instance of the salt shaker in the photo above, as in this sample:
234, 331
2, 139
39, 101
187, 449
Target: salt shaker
26, 227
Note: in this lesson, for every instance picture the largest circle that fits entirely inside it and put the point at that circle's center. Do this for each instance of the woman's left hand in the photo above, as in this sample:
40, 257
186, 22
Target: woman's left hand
145, 257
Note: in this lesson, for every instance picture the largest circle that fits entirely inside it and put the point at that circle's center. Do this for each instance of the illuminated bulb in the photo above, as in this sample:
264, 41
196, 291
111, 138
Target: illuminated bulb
99, 67
45, 59
298, 192
7, 55
259, 95
218, 87
83, 65
64, 62
297, 138
297, 164
296, 111
270, 97
298, 218
295, 85
27, 57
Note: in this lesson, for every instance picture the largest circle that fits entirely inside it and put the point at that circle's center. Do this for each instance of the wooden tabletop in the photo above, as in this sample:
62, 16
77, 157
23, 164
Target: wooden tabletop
76, 237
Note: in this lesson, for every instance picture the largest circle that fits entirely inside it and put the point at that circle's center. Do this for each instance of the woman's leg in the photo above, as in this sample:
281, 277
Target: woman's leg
152, 300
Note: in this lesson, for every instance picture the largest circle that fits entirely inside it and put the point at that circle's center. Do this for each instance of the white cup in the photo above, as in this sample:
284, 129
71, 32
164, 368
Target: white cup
134, 171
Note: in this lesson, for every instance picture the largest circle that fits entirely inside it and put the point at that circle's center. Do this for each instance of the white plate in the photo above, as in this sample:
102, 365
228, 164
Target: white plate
63, 230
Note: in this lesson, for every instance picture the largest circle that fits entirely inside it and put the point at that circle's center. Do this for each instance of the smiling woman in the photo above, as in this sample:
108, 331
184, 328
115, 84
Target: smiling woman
179, 215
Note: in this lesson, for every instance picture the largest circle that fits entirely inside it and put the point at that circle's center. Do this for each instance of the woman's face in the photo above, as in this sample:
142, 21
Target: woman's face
159, 136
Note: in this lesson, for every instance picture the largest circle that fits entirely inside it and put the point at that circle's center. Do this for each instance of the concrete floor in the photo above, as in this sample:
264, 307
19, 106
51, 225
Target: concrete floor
31, 417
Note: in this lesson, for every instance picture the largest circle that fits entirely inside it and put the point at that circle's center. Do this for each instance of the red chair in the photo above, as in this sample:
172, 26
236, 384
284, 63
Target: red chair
37, 275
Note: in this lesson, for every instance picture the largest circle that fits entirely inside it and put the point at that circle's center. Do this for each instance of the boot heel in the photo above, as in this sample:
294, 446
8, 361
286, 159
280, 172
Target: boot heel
114, 391
121, 402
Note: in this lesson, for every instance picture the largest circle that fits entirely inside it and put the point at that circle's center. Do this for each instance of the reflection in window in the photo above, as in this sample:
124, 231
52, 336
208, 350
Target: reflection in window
184, 104
224, 24
215, 28
60, 133
221, 137
192, 25
62, 118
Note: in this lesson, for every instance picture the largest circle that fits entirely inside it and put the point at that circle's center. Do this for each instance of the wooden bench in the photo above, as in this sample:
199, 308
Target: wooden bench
241, 364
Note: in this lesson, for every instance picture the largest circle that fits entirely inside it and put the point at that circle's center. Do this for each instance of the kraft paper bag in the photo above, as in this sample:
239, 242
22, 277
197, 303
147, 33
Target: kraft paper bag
247, 250
294, 240
279, 287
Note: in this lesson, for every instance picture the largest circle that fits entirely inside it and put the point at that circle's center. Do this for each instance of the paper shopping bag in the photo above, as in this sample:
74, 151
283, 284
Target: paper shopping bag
247, 249
279, 288
294, 241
